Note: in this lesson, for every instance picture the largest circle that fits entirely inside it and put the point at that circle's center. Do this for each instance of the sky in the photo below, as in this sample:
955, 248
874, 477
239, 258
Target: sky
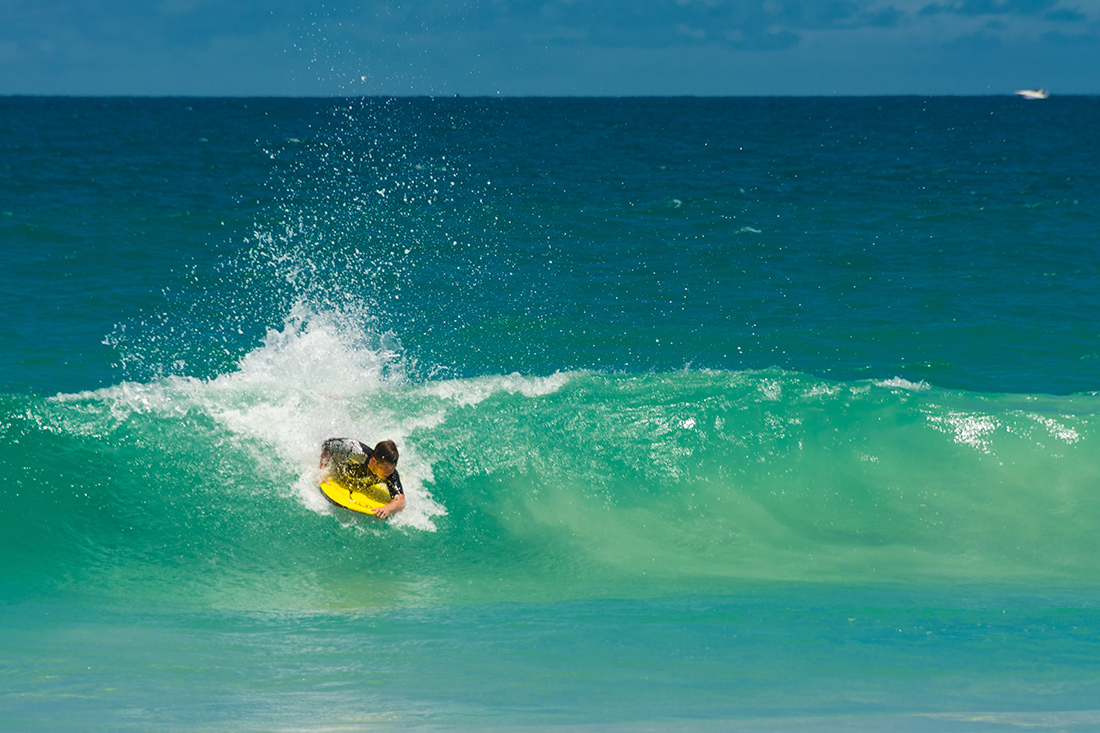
548, 47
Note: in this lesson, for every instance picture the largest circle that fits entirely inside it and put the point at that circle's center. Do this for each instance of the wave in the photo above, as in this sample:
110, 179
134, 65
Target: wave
567, 485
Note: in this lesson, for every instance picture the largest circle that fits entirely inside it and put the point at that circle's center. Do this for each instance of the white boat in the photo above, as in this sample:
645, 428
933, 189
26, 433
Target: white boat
1033, 93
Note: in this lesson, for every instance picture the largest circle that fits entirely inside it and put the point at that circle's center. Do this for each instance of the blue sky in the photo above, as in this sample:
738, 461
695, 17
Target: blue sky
548, 47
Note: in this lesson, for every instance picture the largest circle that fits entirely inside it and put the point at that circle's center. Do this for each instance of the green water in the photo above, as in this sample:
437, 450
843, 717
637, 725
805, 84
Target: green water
767, 414
571, 486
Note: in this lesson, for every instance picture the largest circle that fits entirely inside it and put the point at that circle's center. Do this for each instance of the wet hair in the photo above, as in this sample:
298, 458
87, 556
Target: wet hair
386, 452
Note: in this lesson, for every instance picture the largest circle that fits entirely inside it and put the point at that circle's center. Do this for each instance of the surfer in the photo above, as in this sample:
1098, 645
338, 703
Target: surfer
350, 458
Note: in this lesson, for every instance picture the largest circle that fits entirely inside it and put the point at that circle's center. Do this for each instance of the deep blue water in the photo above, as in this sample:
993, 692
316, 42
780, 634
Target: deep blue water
768, 414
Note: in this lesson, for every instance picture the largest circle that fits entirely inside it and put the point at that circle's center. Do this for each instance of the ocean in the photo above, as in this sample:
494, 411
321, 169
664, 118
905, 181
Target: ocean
762, 414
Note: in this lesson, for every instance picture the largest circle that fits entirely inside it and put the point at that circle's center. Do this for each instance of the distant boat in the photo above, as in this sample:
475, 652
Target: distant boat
1033, 93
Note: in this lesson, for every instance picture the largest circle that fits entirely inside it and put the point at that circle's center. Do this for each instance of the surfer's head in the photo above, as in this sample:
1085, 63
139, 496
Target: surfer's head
386, 452
383, 461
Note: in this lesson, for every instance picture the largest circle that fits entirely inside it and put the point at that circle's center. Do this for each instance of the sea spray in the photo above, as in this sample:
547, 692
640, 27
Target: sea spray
574, 484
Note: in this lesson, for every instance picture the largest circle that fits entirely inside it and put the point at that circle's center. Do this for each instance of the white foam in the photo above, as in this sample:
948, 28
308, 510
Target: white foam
321, 376
771, 389
822, 390
468, 392
899, 383
317, 377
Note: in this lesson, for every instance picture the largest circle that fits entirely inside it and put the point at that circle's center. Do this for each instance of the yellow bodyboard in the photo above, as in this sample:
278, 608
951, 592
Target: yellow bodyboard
355, 495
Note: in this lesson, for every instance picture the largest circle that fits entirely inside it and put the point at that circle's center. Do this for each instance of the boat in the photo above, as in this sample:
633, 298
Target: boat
1033, 93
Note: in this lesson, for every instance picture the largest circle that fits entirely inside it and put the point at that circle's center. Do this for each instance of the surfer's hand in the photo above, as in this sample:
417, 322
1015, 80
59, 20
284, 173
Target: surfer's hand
384, 512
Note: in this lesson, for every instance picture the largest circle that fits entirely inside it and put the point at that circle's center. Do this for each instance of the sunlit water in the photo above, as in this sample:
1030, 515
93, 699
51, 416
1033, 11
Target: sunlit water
756, 413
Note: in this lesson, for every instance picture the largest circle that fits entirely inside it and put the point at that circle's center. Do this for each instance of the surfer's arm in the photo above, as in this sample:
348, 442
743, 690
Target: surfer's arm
393, 507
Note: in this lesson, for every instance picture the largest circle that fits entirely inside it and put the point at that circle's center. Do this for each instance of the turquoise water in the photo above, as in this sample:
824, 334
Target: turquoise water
768, 414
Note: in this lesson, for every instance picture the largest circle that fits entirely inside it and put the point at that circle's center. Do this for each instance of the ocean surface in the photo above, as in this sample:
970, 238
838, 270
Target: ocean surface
715, 414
